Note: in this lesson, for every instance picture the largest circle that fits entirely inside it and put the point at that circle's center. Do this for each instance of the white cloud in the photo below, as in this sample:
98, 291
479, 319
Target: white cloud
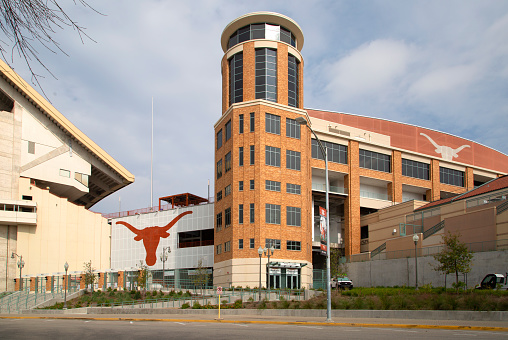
444, 82
370, 69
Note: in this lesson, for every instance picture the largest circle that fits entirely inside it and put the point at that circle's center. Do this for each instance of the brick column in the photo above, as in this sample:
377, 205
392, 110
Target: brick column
469, 179
49, 283
434, 194
249, 71
120, 279
33, 283
282, 74
395, 187
101, 280
16, 284
352, 204
82, 282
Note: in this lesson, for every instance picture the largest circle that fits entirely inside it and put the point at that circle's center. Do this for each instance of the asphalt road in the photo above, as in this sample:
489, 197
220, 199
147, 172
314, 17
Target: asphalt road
90, 329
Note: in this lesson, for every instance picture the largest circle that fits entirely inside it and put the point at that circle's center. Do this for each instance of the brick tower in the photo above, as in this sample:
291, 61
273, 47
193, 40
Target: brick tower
263, 175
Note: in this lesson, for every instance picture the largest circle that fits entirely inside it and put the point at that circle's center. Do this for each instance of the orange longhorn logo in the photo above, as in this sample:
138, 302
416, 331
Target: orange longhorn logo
151, 237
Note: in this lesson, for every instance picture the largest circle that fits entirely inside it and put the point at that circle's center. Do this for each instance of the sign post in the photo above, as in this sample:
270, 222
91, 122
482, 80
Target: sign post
219, 292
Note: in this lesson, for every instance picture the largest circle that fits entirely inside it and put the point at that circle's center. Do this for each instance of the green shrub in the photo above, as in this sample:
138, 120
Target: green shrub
262, 304
196, 305
238, 304
185, 306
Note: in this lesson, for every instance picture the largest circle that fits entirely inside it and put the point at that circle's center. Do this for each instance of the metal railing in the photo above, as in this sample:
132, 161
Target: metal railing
333, 189
431, 231
502, 208
15, 302
378, 250
210, 297
475, 247
375, 195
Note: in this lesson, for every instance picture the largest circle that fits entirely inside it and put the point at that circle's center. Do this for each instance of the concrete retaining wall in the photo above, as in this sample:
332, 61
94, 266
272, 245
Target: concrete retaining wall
303, 313
401, 272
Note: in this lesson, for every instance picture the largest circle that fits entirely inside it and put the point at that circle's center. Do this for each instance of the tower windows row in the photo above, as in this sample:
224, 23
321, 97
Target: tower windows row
262, 31
265, 77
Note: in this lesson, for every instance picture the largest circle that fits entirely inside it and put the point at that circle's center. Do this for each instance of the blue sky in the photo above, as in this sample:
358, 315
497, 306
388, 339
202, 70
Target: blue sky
437, 64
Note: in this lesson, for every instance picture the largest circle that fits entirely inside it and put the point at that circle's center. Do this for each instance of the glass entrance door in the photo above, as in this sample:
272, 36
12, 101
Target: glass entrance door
292, 279
275, 278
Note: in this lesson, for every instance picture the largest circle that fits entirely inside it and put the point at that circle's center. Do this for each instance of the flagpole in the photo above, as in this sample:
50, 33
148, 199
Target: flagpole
151, 167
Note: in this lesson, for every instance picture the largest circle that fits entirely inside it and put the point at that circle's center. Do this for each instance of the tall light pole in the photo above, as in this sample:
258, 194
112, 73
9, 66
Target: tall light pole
303, 121
260, 252
21, 264
164, 257
415, 240
66, 267
268, 252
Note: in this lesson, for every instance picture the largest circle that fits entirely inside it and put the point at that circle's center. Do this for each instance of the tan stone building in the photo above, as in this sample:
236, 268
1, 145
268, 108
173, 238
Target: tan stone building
270, 179
479, 216
50, 175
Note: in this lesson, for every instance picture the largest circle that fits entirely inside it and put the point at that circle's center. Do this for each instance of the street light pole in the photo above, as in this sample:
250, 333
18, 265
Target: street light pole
21, 264
268, 253
260, 252
164, 256
415, 240
66, 267
324, 151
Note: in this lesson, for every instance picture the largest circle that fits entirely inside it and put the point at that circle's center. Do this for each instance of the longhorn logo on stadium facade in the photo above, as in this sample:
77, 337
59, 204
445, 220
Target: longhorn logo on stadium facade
151, 237
446, 152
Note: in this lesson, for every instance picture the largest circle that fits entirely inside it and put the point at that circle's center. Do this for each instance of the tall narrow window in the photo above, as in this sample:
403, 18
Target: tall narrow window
240, 186
240, 156
252, 154
219, 169
240, 213
219, 139
266, 74
227, 162
240, 123
252, 212
252, 122
227, 217
236, 78
292, 81
228, 130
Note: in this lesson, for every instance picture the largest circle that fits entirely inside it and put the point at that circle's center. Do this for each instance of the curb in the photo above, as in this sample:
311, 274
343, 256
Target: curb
299, 323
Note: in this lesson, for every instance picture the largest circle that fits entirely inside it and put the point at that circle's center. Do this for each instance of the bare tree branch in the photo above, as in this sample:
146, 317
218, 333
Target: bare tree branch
25, 22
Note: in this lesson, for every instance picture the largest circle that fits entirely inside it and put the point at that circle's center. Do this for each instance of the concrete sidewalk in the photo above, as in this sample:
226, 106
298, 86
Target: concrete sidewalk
229, 316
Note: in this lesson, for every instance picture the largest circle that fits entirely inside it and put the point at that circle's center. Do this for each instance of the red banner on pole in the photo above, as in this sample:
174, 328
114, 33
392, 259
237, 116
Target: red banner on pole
322, 228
